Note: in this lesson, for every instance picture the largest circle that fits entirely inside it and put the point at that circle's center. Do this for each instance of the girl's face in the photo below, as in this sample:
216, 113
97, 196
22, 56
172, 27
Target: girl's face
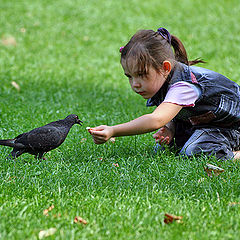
146, 85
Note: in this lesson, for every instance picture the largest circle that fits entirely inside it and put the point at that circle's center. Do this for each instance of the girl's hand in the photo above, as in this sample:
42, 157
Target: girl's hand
163, 136
101, 134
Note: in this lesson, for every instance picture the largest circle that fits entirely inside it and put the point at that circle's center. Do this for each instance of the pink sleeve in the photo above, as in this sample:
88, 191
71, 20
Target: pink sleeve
183, 94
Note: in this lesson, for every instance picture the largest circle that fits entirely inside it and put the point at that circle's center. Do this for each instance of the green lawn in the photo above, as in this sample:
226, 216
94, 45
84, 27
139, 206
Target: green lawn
64, 55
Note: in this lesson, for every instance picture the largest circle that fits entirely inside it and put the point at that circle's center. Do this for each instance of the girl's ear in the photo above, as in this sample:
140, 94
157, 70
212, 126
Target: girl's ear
167, 67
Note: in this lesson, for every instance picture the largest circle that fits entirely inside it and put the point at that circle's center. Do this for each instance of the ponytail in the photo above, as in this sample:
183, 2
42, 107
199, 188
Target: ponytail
149, 48
180, 52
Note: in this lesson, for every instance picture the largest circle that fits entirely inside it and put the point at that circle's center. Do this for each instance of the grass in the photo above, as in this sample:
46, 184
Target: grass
65, 59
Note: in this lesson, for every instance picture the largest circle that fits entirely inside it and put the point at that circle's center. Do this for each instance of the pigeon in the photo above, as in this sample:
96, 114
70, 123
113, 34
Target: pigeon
43, 139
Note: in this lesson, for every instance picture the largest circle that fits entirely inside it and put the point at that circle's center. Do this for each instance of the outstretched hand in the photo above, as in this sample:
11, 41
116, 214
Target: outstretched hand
101, 134
163, 136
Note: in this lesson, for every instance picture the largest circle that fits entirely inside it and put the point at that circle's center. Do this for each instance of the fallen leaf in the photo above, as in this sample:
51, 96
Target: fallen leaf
12, 179
46, 211
15, 85
58, 215
101, 159
213, 170
45, 233
36, 24
85, 38
169, 218
80, 220
9, 41
83, 140
233, 204
23, 30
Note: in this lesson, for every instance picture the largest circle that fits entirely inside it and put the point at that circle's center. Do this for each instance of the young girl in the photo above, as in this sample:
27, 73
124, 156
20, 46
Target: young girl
198, 108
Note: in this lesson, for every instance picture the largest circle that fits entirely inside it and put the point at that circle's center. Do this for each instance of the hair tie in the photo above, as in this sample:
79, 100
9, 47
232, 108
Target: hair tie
165, 34
120, 49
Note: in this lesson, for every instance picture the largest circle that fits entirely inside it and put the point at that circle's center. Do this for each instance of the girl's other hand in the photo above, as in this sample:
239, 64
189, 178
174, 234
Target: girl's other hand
163, 136
101, 134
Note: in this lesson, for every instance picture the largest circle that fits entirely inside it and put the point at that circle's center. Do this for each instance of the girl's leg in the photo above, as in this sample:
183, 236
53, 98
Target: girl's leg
183, 131
219, 142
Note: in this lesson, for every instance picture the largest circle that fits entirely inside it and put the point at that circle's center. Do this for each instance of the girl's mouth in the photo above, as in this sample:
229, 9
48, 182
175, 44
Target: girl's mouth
141, 93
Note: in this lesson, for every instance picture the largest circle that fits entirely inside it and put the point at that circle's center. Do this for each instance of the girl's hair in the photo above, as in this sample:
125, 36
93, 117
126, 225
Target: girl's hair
148, 48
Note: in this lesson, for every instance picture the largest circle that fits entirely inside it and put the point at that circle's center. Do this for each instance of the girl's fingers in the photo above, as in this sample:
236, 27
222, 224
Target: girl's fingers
162, 140
156, 137
100, 134
166, 140
97, 133
98, 141
100, 138
99, 128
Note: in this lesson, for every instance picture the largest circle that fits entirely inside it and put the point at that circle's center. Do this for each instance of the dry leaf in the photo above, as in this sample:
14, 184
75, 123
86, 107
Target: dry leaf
83, 140
116, 164
9, 41
58, 215
101, 159
12, 179
85, 38
45, 233
169, 218
23, 30
36, 24
15, 85
233, 204
46, 211
80, 220
211, 169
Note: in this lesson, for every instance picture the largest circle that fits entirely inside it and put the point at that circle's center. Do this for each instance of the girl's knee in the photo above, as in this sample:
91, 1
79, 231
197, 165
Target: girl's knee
190, 150
221, 152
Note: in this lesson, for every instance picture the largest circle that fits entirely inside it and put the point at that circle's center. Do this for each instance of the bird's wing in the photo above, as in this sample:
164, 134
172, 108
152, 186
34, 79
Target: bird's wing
45, 138
21, 141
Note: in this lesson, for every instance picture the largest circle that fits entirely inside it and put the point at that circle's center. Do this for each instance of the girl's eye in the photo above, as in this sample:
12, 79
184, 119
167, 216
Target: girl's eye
129, 77
141, 74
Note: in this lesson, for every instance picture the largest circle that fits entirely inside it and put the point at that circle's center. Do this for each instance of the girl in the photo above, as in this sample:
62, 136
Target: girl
198, 108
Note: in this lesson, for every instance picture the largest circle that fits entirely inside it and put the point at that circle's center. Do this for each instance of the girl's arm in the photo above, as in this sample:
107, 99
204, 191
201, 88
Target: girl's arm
163, 114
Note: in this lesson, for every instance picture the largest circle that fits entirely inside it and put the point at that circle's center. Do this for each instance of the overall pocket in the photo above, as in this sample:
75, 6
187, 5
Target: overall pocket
228, 110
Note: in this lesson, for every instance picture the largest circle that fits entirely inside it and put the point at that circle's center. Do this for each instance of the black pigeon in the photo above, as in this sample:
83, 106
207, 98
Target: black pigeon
43, 139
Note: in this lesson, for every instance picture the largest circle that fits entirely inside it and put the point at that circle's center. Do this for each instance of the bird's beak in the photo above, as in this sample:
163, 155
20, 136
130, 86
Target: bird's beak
79, 122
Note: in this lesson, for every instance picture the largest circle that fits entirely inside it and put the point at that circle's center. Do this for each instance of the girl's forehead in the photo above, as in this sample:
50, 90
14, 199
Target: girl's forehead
132, 66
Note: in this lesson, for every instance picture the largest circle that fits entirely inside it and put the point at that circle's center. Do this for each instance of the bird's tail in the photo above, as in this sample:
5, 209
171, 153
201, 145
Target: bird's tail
7, 142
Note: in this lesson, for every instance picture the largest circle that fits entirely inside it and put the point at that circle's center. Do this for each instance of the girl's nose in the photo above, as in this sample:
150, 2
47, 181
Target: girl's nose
136, 83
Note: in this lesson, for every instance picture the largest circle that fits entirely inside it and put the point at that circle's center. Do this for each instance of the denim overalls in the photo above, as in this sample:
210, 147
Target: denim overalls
212, 125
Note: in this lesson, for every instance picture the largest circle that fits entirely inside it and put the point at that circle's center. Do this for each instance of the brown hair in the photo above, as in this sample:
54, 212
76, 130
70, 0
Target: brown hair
148, 48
